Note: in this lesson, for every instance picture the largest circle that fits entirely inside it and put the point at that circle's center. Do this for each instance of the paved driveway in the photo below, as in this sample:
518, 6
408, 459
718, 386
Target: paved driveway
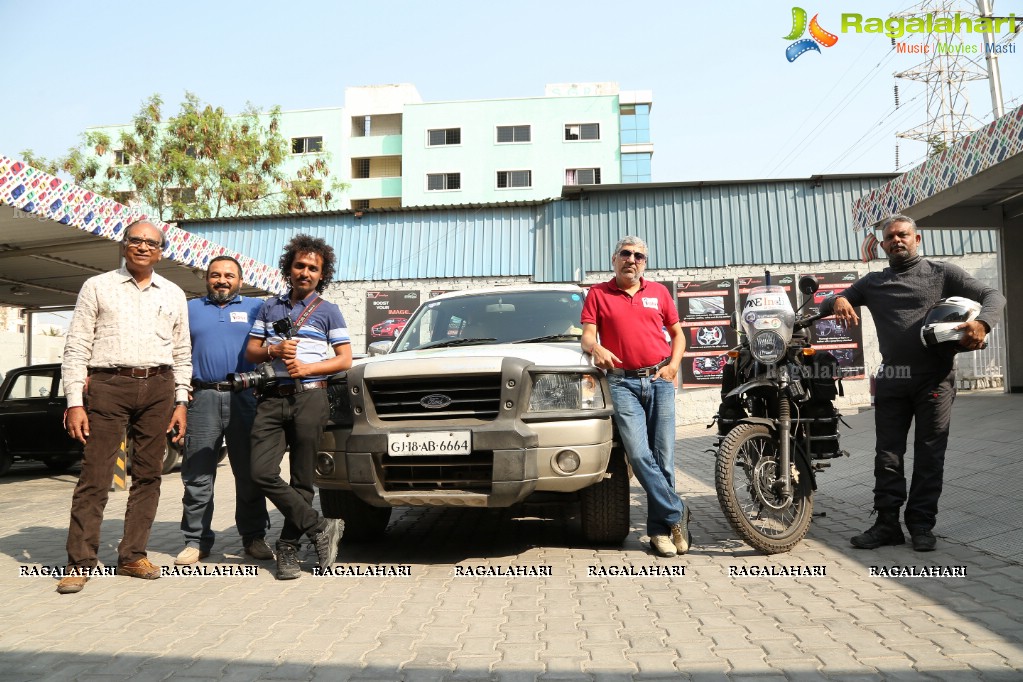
443, 620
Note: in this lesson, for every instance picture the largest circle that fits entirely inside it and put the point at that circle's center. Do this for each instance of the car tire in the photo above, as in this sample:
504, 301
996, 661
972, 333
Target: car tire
171, 456
604, 506
363, 522
59, 464
6, 460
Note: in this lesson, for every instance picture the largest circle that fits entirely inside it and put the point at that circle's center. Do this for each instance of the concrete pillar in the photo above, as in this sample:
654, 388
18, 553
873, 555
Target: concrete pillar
1011, 249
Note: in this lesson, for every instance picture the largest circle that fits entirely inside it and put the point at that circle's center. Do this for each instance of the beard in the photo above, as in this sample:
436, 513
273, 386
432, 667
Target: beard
222, 295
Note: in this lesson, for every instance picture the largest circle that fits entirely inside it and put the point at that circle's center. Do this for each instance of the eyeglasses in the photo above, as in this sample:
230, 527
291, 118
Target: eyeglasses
625, 254
139, 241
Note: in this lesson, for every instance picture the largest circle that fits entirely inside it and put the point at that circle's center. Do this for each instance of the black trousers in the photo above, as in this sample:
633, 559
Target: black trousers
926, 398
293, 422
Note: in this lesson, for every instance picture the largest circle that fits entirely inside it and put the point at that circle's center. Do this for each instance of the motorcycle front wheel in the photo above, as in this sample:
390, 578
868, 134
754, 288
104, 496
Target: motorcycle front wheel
744, 476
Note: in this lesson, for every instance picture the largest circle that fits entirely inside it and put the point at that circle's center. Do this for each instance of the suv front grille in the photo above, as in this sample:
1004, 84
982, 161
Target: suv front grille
469, 473
470, 396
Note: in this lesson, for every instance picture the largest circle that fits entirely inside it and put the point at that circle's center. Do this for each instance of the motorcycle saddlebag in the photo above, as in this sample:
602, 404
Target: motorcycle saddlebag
825, 378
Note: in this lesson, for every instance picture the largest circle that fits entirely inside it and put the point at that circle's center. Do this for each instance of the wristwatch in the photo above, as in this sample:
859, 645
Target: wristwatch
181, 402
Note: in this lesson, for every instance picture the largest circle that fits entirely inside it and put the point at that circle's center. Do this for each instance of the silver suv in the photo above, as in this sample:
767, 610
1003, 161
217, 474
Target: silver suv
484, 400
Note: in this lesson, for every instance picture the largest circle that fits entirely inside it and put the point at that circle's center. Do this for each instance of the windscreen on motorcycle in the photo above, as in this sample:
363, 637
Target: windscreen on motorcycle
768, 320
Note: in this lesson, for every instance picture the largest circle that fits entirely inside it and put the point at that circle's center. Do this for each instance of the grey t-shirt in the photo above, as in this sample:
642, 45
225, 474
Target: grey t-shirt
898, 300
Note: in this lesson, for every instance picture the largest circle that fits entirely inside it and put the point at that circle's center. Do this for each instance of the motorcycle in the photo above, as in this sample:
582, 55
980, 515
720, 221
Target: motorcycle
777, 424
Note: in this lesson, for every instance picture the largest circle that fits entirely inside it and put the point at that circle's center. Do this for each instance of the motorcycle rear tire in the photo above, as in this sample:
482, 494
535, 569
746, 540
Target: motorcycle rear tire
770, 531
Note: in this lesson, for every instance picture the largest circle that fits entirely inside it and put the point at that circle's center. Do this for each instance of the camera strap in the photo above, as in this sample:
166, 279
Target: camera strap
307, 312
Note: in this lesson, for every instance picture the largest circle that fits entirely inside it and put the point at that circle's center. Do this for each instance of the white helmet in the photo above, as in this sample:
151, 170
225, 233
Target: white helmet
943, 318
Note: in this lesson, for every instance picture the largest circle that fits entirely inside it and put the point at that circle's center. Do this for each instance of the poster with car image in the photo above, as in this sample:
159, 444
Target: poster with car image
844, 343
705, 310
387, 313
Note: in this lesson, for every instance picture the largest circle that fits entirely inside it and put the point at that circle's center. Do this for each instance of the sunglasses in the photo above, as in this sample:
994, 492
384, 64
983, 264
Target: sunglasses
139, 241
625, 254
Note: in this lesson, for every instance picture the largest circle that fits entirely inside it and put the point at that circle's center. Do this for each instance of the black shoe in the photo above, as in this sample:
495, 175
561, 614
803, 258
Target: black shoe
886, 531
923, 539
287, 562
326, 542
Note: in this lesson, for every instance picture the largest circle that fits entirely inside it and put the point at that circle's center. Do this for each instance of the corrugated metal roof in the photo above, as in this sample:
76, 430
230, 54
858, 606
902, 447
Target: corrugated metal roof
687, 225
697, 225
480, 242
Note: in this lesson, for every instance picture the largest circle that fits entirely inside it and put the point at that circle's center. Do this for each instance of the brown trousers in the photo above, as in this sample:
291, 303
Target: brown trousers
114, 403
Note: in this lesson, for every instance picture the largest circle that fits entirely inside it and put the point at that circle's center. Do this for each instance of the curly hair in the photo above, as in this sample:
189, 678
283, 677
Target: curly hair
304, 243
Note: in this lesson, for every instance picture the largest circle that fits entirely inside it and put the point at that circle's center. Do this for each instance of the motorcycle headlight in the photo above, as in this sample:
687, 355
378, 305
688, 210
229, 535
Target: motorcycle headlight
565, 391
768, 347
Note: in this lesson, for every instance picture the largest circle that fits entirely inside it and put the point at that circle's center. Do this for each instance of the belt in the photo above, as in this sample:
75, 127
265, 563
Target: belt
211, 385
641, 373
291, 389
133, 372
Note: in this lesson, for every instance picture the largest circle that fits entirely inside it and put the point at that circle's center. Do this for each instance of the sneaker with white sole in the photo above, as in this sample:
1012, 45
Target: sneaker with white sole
662, 545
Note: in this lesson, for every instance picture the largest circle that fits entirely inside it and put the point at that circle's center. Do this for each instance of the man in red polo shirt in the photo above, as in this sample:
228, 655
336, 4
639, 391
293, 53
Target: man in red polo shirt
629, 315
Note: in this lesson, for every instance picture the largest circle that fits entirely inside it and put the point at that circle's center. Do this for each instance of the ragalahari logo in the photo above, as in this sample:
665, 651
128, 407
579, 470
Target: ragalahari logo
817, 35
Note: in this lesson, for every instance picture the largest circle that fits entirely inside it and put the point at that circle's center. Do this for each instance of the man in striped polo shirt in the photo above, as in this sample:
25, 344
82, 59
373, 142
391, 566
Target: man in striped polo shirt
293, 413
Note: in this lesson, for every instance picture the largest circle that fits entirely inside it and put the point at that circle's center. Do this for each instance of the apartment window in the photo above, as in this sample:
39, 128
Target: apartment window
513, 179
444, 136
582, 131
507, 134
121, 158
307, 145
582, 176
360, 204
443, 181
360, 168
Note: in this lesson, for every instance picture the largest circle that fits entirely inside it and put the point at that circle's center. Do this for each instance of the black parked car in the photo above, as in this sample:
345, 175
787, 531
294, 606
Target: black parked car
32, 405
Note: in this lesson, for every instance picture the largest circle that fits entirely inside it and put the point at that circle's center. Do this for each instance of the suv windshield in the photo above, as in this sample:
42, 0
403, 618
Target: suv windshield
494, 318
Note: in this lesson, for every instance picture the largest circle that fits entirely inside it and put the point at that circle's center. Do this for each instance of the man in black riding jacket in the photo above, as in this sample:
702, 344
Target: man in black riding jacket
914, 381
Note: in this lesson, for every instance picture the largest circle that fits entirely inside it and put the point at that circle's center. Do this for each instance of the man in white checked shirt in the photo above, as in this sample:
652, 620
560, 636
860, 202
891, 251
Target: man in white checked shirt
129, 336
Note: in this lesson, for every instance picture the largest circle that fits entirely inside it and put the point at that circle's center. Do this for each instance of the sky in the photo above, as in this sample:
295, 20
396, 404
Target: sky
727, 105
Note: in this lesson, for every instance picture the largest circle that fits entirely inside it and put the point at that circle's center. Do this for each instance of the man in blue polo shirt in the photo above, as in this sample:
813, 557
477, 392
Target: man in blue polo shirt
292, 414
220, 324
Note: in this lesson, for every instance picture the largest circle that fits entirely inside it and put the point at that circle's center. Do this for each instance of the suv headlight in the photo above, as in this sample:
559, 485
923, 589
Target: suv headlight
768, 347
565, 391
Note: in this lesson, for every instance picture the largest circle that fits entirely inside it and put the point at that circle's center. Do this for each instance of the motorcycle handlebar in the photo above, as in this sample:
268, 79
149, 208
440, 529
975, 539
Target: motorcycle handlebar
807, 321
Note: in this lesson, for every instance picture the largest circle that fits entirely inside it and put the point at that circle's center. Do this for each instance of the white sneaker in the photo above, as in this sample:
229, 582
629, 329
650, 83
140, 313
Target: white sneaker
662, 545
189, 556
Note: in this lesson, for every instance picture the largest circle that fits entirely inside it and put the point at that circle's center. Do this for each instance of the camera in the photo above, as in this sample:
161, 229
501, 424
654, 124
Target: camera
264, 376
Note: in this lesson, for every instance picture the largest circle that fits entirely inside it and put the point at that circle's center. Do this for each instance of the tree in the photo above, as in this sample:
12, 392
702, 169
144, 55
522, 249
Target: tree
200, 163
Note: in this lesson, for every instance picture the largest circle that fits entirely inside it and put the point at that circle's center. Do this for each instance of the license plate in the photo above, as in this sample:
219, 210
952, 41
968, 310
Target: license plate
429, 443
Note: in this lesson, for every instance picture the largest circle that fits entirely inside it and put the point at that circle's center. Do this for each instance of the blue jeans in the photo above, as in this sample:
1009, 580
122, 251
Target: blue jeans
645, 418
212, 417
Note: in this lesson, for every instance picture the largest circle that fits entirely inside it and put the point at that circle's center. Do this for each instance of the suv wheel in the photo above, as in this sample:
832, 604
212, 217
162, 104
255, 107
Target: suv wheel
363, 522
604, 507
6, 460
59, 464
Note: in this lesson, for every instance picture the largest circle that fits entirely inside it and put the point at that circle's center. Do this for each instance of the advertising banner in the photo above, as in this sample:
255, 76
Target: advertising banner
705, 310
845, 343
387, 312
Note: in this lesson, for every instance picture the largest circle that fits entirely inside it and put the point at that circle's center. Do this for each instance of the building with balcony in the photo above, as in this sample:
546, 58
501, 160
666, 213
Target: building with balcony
394, 150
